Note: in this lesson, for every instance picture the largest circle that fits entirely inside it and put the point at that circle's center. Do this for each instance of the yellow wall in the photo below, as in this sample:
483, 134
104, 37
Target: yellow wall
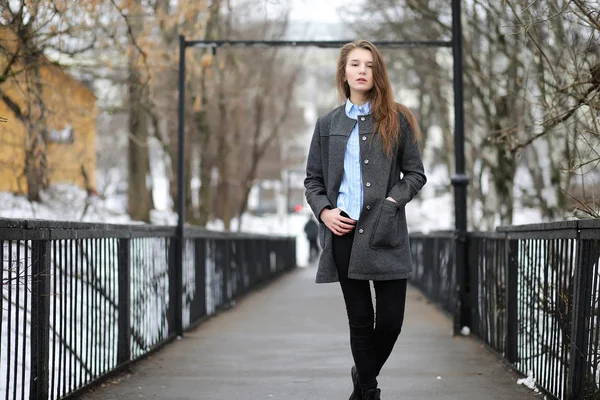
68, 102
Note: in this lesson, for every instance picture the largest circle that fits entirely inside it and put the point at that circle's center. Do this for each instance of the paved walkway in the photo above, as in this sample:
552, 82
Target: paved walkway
289, 341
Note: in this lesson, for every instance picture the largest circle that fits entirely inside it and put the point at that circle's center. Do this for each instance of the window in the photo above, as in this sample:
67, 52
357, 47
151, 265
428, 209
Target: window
61, 136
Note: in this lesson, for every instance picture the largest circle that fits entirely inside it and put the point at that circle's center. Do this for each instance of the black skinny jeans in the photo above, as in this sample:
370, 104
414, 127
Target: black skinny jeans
371, 339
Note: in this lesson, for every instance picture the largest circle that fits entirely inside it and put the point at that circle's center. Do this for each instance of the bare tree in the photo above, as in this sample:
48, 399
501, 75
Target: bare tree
514, 95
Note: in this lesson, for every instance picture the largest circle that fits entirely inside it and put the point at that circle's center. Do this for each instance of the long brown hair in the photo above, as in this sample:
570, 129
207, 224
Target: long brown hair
384, 108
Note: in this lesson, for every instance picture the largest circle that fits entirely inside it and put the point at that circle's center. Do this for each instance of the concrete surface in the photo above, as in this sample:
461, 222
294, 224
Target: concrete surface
290, 341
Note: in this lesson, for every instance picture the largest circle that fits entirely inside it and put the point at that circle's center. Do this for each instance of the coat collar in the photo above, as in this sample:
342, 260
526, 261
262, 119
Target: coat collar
342, 125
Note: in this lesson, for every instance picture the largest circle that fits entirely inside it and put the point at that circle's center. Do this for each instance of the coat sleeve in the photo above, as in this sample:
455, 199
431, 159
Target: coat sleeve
314, 183
411, 165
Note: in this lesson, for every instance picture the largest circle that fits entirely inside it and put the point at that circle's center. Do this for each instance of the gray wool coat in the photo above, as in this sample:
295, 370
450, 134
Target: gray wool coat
381, 249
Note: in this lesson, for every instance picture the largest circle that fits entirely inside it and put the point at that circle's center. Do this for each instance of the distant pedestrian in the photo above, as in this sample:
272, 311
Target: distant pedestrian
311, 229
364, 165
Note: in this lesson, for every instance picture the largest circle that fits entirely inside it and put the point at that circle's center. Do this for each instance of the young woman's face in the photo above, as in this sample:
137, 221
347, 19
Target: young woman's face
359, 71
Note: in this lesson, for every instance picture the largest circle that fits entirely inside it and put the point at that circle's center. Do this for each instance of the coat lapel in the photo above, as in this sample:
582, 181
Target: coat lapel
341, 127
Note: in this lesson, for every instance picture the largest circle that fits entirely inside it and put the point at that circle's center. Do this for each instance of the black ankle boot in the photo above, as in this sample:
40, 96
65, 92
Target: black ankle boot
356, 393
371, 394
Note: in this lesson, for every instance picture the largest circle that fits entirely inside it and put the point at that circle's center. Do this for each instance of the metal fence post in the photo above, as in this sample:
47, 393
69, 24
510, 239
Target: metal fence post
199, 303
474, 247
511, 254
175, 286
40, 319
124, 279
578, 374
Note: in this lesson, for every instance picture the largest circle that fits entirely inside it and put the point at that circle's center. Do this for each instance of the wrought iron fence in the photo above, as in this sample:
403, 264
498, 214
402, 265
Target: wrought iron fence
80, 301
534, 293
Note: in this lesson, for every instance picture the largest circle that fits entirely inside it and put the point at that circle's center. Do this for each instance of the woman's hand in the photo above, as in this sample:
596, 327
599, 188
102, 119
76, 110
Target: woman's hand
336, 223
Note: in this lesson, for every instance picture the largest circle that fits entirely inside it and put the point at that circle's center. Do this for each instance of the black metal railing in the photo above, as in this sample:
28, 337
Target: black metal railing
433, 267
534, 294
80, 301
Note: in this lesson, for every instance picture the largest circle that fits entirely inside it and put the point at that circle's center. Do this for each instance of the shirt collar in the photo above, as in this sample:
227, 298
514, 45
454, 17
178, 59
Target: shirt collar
361, 110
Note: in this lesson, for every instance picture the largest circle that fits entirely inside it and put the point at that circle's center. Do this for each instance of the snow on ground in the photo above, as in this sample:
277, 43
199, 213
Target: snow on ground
69, 203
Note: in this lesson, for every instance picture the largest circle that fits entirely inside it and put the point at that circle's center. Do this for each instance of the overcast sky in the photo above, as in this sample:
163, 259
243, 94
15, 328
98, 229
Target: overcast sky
310, 10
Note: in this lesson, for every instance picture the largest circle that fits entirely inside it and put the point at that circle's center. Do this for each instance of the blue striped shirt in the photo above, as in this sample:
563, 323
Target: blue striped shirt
350, 198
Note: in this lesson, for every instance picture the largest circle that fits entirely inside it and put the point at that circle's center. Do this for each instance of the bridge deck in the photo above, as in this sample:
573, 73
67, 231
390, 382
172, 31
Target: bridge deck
290, 341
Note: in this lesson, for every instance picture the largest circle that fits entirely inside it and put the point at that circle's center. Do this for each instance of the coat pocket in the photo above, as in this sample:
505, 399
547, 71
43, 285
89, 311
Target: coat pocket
386, 231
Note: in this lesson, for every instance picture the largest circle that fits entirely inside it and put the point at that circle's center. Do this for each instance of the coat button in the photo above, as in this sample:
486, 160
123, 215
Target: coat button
360, 230
362, 118
368, 184
364, 138
368, 207
366, 161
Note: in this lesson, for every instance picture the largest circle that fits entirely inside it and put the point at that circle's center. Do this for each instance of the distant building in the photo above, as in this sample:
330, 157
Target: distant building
70, 114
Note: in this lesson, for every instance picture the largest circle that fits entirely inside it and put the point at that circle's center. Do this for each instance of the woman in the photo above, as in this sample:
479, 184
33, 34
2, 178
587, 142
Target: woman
364, 166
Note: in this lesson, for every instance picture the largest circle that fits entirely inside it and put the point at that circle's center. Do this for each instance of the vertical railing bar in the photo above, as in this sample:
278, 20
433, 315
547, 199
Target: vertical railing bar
536, 308
17, 307
105, 314
526, 302
489, 265
27, 285
480, 262
89, 321
74, 300
144, 272
115, 296
521, 271
40, 320
535, 315
86, 283
82, 250
545, 298
551, 321
148, 267
555, 334
78, 254
501, 267
593, 336
582, 291
564, 268
92, 260
92, 252
87, 248
62, 360
70, 374
9, 311
533, 307
53, 332
150, 276
511, 252
558, 262
134, 271
101, 277
560, 336
133, 288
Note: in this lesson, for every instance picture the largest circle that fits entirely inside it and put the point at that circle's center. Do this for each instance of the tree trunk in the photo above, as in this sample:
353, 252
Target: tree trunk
139, 177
